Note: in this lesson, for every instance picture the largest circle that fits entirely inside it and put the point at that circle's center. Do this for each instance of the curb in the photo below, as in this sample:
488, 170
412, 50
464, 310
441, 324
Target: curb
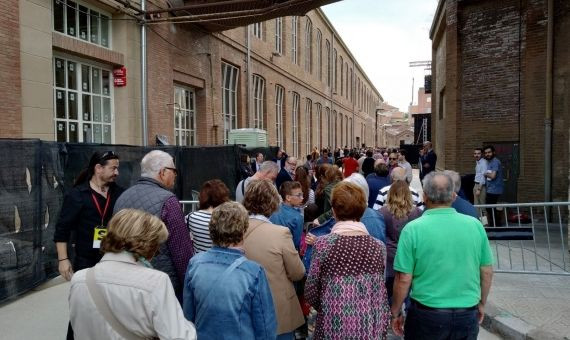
511, 327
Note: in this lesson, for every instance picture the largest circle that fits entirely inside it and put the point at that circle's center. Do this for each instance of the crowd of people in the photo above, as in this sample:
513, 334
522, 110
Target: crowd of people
338, 246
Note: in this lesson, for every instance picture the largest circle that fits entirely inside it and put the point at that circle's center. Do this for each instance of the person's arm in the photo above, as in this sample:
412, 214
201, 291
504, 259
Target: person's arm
402, 283
491, 172
67, 221
294, 267
486, 273
179, 242
327, 214
166, 315
188, 298
263, 311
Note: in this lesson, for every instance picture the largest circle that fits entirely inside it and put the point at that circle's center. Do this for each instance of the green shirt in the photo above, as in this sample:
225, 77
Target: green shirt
443, 251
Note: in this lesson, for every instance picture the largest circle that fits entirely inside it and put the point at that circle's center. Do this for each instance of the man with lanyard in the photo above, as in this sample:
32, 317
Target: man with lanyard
86, 210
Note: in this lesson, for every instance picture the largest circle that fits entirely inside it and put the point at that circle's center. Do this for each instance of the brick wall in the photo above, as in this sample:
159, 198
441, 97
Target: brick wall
10, 77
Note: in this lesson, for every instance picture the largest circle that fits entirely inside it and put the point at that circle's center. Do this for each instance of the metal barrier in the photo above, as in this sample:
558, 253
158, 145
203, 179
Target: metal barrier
189, 206
528, 238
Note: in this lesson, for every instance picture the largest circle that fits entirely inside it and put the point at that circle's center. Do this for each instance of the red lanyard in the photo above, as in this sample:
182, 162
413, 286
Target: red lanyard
104, 212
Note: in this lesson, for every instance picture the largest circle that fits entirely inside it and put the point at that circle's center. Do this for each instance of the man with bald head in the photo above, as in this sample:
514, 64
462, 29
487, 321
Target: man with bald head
268, 170
446, 256
287, 172
398, 174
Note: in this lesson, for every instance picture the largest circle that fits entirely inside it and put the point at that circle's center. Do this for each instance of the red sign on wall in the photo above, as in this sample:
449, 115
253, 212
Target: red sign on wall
120, 77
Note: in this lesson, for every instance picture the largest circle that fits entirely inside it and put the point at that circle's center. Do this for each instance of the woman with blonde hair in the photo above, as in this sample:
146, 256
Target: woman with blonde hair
122, 297
398, 210
272, 246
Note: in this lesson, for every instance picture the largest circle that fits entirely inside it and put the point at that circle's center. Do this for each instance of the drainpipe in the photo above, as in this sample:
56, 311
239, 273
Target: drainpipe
248, 82
548, 115
143, 76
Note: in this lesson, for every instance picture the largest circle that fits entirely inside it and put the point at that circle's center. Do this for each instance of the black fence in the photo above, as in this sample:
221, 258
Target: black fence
34, 176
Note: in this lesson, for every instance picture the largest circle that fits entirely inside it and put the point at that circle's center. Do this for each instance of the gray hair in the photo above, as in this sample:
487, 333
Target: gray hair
360, 181
268, 167
153, 162
455, 178
398, 174
438, 187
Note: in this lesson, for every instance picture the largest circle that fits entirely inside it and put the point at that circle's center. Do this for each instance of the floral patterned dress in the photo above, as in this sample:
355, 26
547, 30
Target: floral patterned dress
346, 286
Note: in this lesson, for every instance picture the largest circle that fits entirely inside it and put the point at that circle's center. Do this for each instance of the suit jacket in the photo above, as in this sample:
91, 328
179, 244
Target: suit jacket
254, 166
282, 177
272, 246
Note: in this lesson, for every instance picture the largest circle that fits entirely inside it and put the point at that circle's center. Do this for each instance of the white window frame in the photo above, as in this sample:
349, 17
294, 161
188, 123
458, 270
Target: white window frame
90, 8
184, 115
279, 35
320, 54
295, 123
318, 126
258, 101
335, 69
257, 29
294, 39
81, 123
309, 46
308, 125
279, 96
229, 113
328, 52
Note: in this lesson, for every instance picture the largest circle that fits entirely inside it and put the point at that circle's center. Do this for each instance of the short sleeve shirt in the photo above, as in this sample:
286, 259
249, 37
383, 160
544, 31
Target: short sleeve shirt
443, 251
495, 186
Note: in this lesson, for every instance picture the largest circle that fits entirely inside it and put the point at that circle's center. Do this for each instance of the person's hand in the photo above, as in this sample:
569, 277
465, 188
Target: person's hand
398, 325
65, 269
316, 222
480, 312
310, 239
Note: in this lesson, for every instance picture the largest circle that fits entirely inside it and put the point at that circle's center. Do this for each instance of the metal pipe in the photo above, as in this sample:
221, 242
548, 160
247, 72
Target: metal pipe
548, 111
248, 81
143, 78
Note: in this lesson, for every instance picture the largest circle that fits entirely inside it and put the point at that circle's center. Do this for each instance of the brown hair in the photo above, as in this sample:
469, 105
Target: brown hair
287, 187
228, 224
399, 200
134, 231
302, 176
213, 193
348, 201
261, 198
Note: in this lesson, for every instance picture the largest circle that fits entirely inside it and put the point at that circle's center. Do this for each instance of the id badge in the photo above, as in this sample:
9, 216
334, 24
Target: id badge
100, 232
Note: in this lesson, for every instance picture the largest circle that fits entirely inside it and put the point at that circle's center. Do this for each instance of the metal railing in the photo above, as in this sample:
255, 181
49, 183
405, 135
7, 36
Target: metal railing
528, 238
189, 206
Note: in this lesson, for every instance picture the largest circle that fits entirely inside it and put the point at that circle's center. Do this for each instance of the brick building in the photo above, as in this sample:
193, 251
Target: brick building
303, 85
489, 86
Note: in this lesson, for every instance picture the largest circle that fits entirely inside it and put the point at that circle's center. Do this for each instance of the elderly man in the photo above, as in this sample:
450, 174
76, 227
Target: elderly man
460, 204
152, 194
398, 174
268, 170
287, 173
446, 256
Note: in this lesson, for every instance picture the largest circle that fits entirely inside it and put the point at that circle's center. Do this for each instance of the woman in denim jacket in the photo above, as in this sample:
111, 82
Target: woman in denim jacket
226, 295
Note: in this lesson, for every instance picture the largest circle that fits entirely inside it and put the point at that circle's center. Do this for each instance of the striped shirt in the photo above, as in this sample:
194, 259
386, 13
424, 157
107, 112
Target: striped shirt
383, 194
198, 222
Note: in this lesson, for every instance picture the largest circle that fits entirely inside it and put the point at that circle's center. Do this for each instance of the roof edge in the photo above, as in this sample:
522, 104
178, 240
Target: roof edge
436, 17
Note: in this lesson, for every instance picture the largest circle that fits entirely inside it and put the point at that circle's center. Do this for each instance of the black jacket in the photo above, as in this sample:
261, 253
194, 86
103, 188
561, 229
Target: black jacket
79, 214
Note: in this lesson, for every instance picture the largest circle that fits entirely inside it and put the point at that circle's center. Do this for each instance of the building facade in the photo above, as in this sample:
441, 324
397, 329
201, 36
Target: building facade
489, 86
291, 76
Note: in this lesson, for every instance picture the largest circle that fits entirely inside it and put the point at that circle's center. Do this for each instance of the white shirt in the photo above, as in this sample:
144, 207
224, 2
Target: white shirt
142, 299
383, 195
480, 168
406, 165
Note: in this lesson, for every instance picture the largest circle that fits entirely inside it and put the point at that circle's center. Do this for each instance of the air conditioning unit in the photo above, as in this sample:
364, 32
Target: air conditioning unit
251, 138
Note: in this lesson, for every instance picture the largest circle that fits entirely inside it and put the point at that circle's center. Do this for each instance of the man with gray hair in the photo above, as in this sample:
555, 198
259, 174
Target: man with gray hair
268, 170
287, 172
446, 256
460, 204
152, 193
398, 174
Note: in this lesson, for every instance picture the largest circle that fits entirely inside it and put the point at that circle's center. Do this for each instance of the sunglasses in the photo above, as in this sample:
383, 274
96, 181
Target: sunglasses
108, 155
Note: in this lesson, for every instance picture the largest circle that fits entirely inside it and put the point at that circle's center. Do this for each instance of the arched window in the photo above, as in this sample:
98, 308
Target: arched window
319, 54
308, 125
295, 123
328, 56
329, 126
279, 95
279, 35
294, 39
318, 126
341, 76
258, 101
335, 69
309, 46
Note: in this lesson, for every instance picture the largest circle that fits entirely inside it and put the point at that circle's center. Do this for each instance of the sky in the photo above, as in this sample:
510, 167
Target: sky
384, 36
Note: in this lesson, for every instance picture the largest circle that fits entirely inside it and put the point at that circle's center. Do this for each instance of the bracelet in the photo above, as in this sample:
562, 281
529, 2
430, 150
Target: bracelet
67, 258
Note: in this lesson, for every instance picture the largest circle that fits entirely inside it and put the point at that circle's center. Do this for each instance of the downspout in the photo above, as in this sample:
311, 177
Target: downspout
143, 76
548, 112
248, 81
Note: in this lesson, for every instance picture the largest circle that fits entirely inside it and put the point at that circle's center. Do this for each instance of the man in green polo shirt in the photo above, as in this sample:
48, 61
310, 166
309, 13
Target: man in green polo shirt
445, 256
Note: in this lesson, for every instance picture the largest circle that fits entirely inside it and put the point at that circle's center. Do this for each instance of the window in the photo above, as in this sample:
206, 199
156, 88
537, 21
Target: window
294, 38
351, 86
83, 102
81, 22
257, 30
319, 55
295, 123
308, 126
230, 75
258, 101
335, 69
184, 116
329, 126
346, 136
328, 56
334, 128
279, 93
351, 133
318, 126
346, 87
309, 46
279, 35
341, 130
341, 76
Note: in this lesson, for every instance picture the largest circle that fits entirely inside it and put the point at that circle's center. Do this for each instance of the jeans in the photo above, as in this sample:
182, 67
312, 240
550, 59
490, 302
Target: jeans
494, 217
439, 325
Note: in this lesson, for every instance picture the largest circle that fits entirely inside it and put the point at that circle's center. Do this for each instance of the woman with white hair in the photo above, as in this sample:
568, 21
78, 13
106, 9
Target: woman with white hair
122, 297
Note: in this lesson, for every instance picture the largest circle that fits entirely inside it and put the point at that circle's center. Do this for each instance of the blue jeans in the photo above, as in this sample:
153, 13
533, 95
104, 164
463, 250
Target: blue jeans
439, 325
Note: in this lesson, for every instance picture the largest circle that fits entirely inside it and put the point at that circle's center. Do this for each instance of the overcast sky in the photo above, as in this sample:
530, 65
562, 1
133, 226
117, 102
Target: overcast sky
384, 36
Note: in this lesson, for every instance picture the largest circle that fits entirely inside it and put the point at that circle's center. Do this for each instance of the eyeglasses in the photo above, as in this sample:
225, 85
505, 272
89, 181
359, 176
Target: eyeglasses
172, 169
108, 155
292, 164
299, 195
